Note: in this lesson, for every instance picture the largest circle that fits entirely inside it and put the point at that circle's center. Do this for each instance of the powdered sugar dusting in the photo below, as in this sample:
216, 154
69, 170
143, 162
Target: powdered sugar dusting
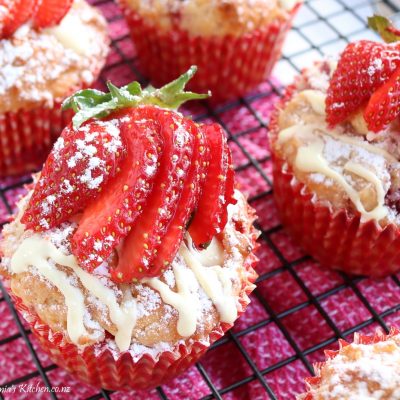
84, 158
148, 301
181, 136
33, 62
364, 371
60, 236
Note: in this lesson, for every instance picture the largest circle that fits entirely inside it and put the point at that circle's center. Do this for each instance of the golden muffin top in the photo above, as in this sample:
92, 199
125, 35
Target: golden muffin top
212, 17
41, 67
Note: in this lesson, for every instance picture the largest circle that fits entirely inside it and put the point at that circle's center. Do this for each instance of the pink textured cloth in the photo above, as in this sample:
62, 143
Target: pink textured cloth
282, 319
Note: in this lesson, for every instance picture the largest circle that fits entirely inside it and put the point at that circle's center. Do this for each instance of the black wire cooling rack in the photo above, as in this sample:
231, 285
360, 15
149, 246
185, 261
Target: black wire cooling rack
322, 26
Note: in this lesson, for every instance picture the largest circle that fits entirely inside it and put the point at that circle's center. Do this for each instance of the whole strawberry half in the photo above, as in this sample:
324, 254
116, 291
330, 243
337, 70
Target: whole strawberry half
362, 68
384, 105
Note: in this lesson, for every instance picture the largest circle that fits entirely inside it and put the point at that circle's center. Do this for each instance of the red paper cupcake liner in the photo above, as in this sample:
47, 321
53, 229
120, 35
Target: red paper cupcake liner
97, 366
315, 381
26, 137
335, 238
229, 66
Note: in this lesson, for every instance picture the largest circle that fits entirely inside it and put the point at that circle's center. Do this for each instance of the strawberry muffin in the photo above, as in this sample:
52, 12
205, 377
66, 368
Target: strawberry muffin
48, 49
235, 43
335, 141
368, 368
132, 251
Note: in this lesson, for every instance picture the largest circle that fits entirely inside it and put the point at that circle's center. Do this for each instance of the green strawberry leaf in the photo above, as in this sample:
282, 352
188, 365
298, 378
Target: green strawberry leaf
101, 110
134, 88
90, 103
85, 99
384, 28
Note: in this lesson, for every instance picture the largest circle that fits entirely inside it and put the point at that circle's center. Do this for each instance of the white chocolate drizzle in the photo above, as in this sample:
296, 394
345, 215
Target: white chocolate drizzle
310, 156
215, 283
184, 300
310, 159
36, 251
215, 280
316, 98
73, 34
306, 131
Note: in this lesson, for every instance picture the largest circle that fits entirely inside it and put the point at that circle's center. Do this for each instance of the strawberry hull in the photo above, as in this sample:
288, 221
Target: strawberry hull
98, 366
165, 55
337, 239
26, 137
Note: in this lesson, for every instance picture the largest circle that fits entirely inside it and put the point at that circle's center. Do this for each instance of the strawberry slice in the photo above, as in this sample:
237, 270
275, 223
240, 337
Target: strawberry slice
13, 14
110, 217
77, 168
384, 105
51, 12
211, 214
146, 238
188, 201
363, 67
230, 179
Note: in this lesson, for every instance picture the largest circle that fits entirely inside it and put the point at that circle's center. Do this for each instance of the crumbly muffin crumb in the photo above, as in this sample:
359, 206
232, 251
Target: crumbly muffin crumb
40, 67
212, 17
359, 371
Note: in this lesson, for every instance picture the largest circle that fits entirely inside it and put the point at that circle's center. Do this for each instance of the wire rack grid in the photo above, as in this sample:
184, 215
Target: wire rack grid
298, 310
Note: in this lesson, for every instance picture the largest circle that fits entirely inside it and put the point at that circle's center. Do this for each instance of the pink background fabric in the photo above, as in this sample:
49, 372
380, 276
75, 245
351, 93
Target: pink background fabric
297, 311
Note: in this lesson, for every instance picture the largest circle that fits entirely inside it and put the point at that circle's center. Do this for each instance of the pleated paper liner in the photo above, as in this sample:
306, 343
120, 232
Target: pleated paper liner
335, 238
314, 382
26, 137
229, 66
97, 366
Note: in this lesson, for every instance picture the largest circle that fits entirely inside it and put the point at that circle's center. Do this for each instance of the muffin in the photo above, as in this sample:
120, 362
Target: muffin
368, 368
335, 146
235, 43
132, 251
43, 59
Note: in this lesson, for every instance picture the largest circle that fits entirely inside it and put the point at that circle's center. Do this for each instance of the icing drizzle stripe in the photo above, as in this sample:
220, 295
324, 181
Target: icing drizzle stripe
38, 252
310, 158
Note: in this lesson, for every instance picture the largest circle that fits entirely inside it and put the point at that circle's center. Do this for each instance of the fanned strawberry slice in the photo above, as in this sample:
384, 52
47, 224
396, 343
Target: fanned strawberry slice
384, 105
230, 181
211, 214
13, 14
77, 168
188, 201
146, 238
363, 67
51, 12
166, 199
110, 217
